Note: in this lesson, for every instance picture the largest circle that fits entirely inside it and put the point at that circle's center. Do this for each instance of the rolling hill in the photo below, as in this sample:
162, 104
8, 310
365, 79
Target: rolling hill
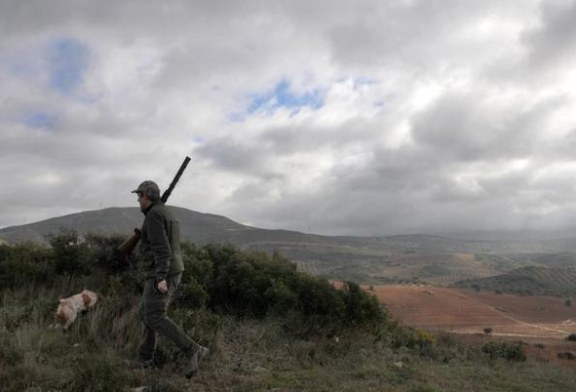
531, 280
197, 227
402, 259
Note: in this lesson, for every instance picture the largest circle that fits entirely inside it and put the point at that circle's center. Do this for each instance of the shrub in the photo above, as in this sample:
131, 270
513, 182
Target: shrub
361, 308
104, 253
571, 337
255, 285
424, 342
566, 355
69, 253
24, 264
220, 278
508, 351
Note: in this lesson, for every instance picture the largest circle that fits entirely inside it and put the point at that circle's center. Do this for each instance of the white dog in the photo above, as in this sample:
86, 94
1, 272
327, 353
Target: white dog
69, 308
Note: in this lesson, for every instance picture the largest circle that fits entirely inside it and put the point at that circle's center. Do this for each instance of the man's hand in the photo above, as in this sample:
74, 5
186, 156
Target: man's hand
163, 286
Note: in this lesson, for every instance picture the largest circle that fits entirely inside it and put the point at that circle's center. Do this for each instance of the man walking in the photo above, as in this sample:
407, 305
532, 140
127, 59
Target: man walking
161, 268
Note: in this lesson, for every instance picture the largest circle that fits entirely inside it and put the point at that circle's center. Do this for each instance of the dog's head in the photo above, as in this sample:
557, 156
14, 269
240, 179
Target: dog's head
89, 298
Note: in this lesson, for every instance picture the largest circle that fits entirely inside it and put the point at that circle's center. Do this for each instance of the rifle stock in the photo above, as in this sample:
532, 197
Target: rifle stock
128, 246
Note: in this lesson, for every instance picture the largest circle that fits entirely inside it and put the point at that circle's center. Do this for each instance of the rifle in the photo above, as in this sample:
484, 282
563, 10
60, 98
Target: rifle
127, 247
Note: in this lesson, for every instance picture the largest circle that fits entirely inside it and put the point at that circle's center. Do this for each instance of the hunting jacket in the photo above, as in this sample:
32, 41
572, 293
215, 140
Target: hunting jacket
160, 243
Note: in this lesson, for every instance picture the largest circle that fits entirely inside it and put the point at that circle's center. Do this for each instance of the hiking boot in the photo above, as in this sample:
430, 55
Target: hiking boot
195, 360
139, 363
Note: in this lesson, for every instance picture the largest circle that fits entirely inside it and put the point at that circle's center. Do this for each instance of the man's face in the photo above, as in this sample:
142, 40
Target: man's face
143, 200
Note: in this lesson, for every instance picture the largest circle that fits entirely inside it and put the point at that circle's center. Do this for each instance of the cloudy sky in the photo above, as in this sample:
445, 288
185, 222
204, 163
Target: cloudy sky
339, 117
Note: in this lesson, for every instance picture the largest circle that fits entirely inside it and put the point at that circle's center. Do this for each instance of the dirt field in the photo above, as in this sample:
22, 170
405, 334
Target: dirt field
467, 311
542, 323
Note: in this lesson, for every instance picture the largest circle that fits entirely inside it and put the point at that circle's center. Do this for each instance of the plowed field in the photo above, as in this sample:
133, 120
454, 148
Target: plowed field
467, 311
541, 323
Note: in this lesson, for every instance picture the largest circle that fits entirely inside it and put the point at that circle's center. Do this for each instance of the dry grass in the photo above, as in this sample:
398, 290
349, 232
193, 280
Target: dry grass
245, 356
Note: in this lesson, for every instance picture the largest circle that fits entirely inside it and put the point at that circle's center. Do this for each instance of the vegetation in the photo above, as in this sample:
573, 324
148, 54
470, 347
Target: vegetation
571, 337
508, 351
268, 325
533, 280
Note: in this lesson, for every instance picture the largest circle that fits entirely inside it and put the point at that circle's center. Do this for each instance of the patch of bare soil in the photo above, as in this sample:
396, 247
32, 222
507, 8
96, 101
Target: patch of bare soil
468, 311
542, 323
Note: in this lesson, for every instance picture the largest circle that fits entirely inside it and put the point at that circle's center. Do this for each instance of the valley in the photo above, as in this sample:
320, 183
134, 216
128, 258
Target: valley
468, 311
540, 323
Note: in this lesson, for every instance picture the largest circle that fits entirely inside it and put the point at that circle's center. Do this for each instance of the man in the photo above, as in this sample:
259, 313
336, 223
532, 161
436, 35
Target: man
161, 268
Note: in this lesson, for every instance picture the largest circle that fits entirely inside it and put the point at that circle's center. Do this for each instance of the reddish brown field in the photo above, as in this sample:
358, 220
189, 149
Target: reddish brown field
468, 311
543, 323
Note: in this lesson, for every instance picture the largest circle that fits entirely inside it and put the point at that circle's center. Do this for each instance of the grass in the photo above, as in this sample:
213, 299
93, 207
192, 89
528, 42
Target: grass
245, 355
268, 354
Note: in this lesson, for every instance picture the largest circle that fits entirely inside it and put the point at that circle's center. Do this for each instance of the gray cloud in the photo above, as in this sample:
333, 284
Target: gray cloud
554, 38
396, 116
476, 126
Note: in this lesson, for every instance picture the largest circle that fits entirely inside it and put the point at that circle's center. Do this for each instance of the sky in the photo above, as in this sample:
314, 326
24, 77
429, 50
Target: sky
339, 117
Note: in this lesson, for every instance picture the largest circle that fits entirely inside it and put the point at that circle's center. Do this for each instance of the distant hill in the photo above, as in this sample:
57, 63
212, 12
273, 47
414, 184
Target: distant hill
372, 260
197, 227
531, 280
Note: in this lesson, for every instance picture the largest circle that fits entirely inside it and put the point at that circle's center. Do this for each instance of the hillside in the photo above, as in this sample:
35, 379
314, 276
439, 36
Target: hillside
197, 227
531, 280
271, 328
372, 260
468, 311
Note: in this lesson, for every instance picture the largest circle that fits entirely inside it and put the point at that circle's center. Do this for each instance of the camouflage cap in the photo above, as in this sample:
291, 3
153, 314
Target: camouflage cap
148, 188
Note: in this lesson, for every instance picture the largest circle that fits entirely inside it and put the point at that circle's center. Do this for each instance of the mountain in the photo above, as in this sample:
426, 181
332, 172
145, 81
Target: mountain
196, 227
371, 260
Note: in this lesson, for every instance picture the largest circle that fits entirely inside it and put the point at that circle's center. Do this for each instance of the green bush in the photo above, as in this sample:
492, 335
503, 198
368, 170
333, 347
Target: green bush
70, 255
508, 351
256, 285
104, 253
24, 265
361, 308
220, 278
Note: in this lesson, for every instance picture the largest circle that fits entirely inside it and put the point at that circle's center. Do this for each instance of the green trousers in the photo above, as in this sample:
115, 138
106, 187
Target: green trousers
153, 310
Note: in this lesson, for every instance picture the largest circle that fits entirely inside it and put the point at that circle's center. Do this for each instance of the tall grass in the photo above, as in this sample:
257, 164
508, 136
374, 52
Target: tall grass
268, 326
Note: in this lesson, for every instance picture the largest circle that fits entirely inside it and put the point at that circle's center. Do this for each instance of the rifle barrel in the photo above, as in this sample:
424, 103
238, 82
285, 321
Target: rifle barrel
168, 191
